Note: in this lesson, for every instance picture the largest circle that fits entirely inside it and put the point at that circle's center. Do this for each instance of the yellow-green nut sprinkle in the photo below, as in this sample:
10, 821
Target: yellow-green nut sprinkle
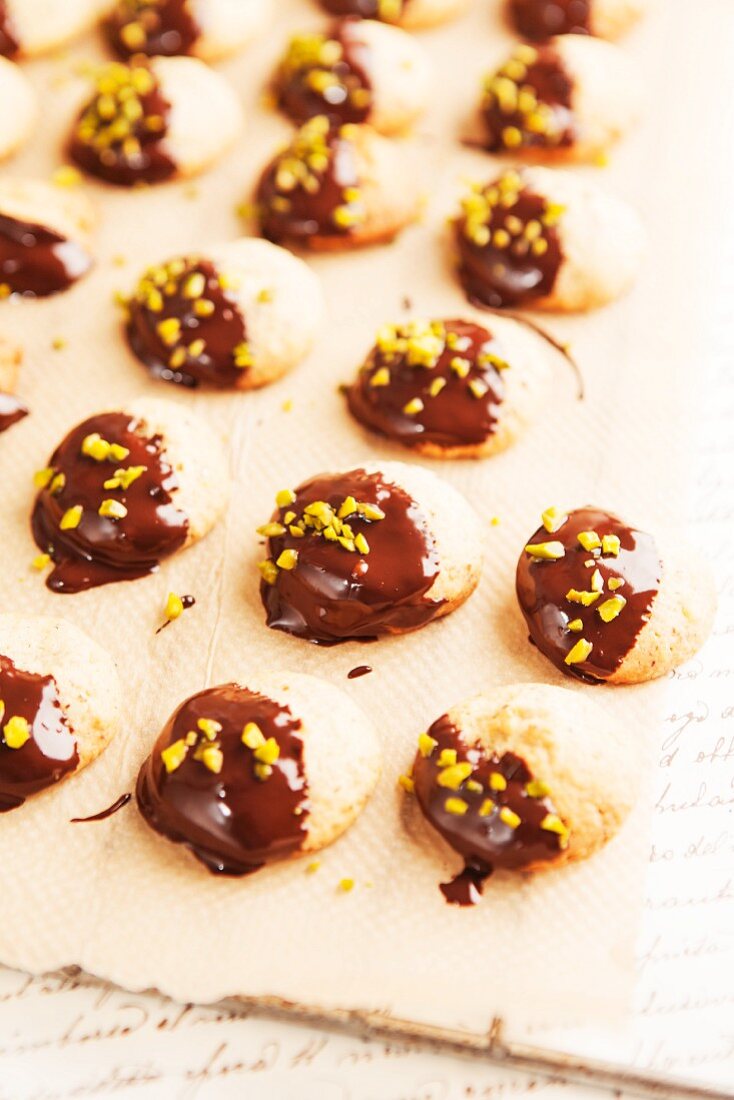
118, 452
486, 808
313, 866
174, 606
370, 511
536, 788
381, 377
575, 625
174, 756
71, 518
41, 478
585, 598
268, 752
346, 885
252, 736
456, 806
426, 744
413, 407
407, 783
288, 560
271, 530
436, 386
446, 758
509, 817
112, 509
453, 776
212, 758
361, 544
194, 286
16, 732
497, 782
579, 653
209, 727
546, 551
95, 447
472, 785
285, 497
347, 507
169, 331
41, 561
268, 571
611, 608
615, 583
597, 581
478, 387
589, 540
610, 544
263, 771
553, 824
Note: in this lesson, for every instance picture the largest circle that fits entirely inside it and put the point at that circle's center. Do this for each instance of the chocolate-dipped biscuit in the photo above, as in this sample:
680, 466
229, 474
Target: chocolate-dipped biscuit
152, 121
124, 490
368, 552
335, 187
45, 238
411, 14
603, 602
29, 28
244, 774
451, 389
210, 29
522, 778
236, 317
17, 108
545, 239
539, 20
568, 99
59, 704
356, 71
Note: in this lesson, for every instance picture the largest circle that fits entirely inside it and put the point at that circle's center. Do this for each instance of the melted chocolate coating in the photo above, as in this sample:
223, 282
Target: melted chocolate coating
547, 79
365, 9
9, 45
359, 671
163, 28
102, 549
539, 20
296, 214
456, 416
36, 261
12, 410
333, 594
514, 274
107, 812
223, 331
141, 157
231, 820
542, 588
50, 753
348, 97
484, 842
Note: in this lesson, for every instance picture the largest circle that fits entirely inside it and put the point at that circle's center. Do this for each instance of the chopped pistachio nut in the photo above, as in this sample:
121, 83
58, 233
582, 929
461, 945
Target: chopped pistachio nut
174, 607
313, 866
252, 736
546, 551
66, 176
271, 530
285, 497
112, 509
288, 560
41, 478
209, 727
610, 544
576, 625
552, 823
268, 570
589, 540
453, 776
579, 653
487, 807
268, 752
509, 817
41, 561
381, 377
407, 783
263, 771
16, 732
615, 583
446, 758
174, 756
585, 598
413, 407
212, 758
124, 478
597, 581
536, 788
456, 806
474, 786
497, 782
95, 447
426, 744
71, 518
611, 608
346, 885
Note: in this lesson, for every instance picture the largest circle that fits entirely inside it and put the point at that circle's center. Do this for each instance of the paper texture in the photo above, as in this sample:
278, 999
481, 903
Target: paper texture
116, 899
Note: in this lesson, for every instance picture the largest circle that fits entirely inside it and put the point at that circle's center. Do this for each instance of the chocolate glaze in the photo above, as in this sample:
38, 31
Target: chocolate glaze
348, 98
539, 20
232, 821
104, 814
147, 162
102, 549
36, 261
365, 9
9, 44
50, 753
297, 215
12, 410
499, 277
169, 27
485, 843
360, 670
222, 332
455, 417
334, 595
542, 587
552, 85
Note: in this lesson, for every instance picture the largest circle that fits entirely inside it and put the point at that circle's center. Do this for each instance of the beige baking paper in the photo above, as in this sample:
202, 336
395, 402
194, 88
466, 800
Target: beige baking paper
114, 897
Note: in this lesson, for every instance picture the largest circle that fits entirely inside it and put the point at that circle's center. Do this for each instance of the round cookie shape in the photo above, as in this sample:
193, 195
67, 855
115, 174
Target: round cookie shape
124, 490
247, 774
545, 239
604, 603
568, 99
17, 108
32, 27
238, 317
451, 388
12, 409
209, 29
522, 778
60, 700
411, 14
539, 20
334, 188
357, 71
375, 550
155, 120
45, 238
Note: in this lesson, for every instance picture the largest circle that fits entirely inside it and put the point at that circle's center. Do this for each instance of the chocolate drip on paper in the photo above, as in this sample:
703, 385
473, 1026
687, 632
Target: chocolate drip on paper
12, 409
163, 28
36, 261
539, 20
320, 84
117, 805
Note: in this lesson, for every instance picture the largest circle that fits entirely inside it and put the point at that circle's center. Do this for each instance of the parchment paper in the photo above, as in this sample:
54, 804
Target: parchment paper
125, 905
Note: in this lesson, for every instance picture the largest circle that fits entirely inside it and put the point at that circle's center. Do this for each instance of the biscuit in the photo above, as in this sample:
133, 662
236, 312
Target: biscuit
45, 238
237, 316
522, 778
539, 20
383, 549
302, 202
356, 71
569, 99
606, 602
17, 108
12, 409
126, 489
155, 120
459, 388
209, 29
546, 239
411, 14
272, 766
61, 704
32, 27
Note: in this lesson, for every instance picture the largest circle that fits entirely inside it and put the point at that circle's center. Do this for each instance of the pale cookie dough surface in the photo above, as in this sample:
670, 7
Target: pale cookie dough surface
229, 25
606, 97
611, 18
17, 108
400, 75
429, 13
85, 674
389, 188
11, 360
44, 25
